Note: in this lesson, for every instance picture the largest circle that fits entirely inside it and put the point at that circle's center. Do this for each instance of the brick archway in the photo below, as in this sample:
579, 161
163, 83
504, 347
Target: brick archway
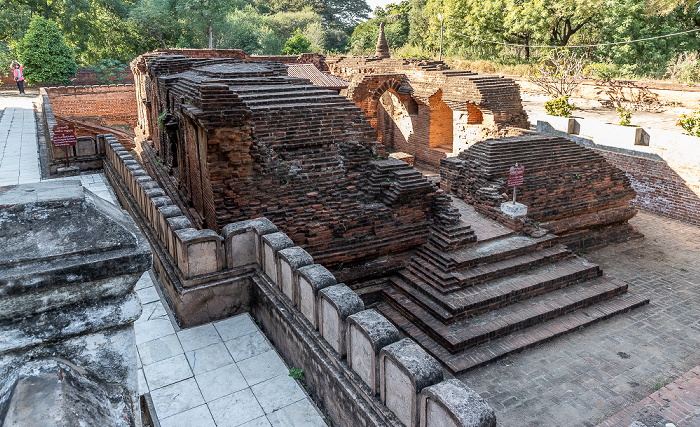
366, 90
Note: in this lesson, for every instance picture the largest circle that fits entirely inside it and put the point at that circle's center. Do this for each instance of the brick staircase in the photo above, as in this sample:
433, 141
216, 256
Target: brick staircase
488, 297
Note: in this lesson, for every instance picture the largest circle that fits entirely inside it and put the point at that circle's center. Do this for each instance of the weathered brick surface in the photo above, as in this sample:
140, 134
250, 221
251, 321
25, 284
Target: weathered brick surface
570, 190
667, 189
436, 112
95, 110
243, 140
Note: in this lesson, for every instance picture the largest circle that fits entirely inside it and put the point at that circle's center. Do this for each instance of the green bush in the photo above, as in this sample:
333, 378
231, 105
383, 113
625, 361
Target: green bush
296, 44
690, 122
45, 55
108, 71
559, 107
625, 116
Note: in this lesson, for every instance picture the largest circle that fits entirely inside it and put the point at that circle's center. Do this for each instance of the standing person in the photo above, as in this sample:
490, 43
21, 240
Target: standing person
19, 75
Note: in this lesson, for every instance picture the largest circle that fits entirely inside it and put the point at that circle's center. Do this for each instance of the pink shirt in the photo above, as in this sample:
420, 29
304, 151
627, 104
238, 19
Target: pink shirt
19, 76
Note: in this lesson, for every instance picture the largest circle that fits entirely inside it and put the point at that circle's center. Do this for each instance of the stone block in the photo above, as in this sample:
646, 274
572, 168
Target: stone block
271, 244
242, 241
335, 304
288, 261
172, 225
367, 333
405, 369
453, 404
85, 146
69, 262
309, 280
514, 210
198, 251
545, 122
162, 214
155, 203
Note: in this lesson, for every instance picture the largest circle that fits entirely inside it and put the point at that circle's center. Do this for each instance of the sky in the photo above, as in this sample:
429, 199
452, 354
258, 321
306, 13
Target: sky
374, 3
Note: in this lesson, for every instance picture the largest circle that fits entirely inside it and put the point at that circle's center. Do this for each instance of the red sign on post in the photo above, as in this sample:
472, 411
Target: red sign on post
516, 176
64, 136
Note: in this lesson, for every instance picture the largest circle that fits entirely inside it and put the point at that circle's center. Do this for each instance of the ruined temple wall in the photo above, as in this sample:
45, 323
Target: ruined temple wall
112, 104
232, 150
569, 190
667, 189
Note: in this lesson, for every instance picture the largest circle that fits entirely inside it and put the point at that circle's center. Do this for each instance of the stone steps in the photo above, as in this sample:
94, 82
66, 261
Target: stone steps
495, 294
498, 249
495, 349
470, 332
448, 281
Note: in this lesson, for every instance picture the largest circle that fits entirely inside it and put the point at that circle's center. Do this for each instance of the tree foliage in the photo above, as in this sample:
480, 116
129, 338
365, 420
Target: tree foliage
45, 55
296, 44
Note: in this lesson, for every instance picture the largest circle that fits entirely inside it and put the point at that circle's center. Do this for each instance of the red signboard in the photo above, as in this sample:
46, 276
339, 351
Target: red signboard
515, 178
64, 136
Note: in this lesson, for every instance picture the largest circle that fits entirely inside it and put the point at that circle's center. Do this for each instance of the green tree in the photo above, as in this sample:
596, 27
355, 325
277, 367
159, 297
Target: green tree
45, 55
296, 44
344, 14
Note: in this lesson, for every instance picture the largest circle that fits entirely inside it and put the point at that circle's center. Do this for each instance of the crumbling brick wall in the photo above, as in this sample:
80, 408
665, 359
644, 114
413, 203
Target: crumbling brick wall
569, 190
240, 139
668, 189
491, 105
94, 110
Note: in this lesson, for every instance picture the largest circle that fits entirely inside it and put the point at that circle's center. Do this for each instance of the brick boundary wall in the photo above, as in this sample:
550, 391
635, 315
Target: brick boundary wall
113, 104
659, 187
84, 76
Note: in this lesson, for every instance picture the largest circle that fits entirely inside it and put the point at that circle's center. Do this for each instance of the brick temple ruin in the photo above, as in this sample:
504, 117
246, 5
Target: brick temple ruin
261, 189
426, 109
233, 137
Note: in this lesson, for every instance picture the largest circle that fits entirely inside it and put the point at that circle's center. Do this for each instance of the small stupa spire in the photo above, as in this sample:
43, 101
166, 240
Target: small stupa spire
382, 45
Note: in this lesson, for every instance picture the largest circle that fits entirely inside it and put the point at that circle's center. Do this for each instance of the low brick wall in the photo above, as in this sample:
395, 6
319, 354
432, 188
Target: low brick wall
111, 104
665, 174
663, 188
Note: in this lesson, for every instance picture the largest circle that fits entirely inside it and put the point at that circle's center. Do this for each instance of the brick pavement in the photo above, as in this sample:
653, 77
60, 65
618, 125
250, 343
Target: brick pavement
678, 402
584, 378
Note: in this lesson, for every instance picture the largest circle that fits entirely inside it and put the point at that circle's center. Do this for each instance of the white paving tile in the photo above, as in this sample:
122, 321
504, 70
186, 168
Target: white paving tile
235, 409
220, 382
198, 337
167, 371
198, 416
247, 346
143, 386
236, 326
208, 358
258, 422
159, 349
277, 392
148, 294
153, 329
176, 398
151, 311
299, 414
262, 367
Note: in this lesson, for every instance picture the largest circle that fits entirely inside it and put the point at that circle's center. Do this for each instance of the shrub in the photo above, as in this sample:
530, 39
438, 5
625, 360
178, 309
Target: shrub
685, 68
109, 71
559, 107
625, 116
690, 122
45, 55
296, 44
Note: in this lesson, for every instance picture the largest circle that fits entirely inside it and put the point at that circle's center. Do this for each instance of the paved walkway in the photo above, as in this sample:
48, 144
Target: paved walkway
19, 154
584, 378
221, 374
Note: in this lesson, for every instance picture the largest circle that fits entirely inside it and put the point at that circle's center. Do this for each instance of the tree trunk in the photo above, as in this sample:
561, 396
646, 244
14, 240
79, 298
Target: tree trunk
210, 36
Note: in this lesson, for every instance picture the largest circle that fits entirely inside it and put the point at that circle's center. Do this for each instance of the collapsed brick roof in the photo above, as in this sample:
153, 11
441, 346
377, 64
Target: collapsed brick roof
277, 146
